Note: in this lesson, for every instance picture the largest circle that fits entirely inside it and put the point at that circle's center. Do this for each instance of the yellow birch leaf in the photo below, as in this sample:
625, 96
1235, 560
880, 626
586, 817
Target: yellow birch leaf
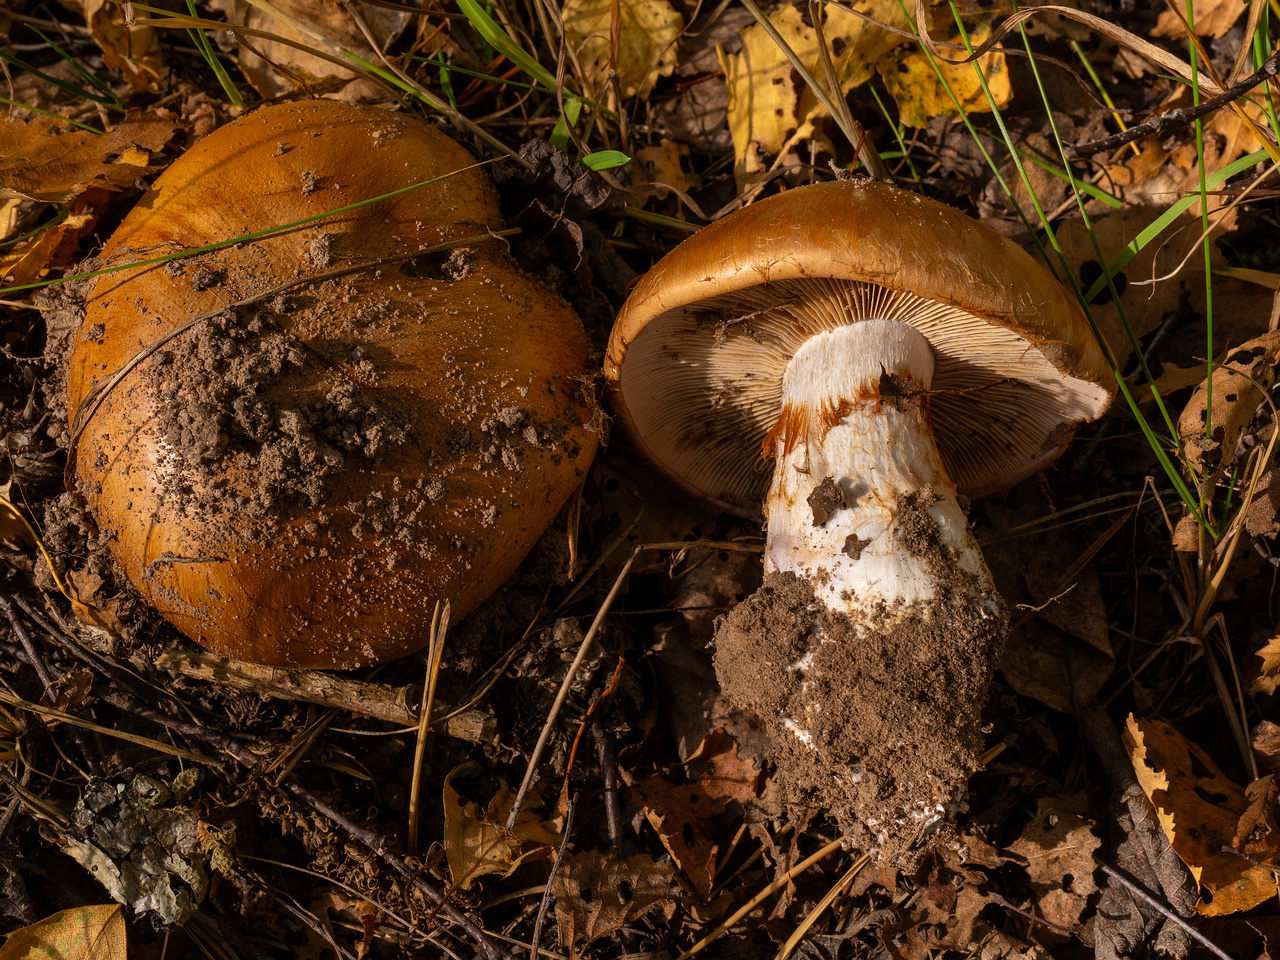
921, 95
1268, 677
771, 109
647, 34
1200, 811
764, 95
81, 933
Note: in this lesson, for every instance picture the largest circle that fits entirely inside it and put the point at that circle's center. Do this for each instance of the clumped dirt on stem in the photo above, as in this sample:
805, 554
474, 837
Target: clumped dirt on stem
883, 724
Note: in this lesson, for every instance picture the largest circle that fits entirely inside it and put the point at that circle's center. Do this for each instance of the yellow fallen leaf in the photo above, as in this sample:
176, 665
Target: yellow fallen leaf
1201, 811
1268, 677
646, 34
764, 94
477, 843
81, 933
921, 95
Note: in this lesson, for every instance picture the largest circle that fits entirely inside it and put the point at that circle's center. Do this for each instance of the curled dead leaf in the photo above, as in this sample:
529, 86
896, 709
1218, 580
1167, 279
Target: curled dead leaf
1214, 419
1201, 812
476, 843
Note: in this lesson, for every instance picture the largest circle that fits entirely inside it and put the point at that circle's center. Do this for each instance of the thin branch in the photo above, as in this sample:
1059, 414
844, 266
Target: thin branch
1178, 118
1163, 908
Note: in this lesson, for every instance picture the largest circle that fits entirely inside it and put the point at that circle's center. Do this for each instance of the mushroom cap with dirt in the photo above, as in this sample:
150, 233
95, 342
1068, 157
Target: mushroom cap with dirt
886, 352
293, 463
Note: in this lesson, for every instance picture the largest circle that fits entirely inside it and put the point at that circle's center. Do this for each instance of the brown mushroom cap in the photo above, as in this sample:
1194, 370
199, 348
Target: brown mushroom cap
297, 482
696, 357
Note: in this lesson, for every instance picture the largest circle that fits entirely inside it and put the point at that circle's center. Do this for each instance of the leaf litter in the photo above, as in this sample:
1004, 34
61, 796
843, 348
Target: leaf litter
678, 821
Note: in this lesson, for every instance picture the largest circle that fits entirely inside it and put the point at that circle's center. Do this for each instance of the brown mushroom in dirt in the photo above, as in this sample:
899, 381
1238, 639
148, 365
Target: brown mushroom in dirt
297, 476
886, 351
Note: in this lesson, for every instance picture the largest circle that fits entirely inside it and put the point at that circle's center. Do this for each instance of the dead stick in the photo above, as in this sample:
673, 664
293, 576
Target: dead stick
380, 700
1178, 118
1169, 913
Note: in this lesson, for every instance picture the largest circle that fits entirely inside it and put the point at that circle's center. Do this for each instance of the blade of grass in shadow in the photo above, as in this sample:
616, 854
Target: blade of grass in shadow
50, 113
493, 34
1194, 51
64, 85
1096, 192
1102, 92
201, 40
84, 74
897, 134
1171, 471
244, 238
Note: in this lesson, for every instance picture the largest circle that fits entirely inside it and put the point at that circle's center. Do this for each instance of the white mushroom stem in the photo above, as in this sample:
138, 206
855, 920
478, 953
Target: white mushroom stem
856, 468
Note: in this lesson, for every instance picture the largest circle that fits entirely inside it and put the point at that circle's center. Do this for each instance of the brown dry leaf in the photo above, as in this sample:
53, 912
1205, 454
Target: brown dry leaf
1059, 648
682, 813
1266, 744
288, 69
1269, 668
1200, 811
1213, 18
1167, 167
1239, 387
1258, 822
133, 50
921, 95
1058, 846
647, 31
945, 916
56, 246
665, 165
596, 893
81, 933
476, 844
43, 160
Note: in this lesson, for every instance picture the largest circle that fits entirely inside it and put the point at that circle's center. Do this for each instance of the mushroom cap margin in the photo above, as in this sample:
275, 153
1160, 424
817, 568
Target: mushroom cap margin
864, 230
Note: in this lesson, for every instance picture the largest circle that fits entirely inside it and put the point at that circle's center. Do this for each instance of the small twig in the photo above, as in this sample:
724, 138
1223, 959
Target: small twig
435, 649
609, 772
1168, 912
379, 700
1178, 118
545, 905
1031, 917
88, 748
24, 638
564, 688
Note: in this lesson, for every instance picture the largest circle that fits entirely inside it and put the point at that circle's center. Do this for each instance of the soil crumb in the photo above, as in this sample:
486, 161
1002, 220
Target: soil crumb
228, 401
882, 726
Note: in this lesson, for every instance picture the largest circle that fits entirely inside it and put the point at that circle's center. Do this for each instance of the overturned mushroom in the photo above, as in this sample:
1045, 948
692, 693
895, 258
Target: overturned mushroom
885, 351
330, 428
